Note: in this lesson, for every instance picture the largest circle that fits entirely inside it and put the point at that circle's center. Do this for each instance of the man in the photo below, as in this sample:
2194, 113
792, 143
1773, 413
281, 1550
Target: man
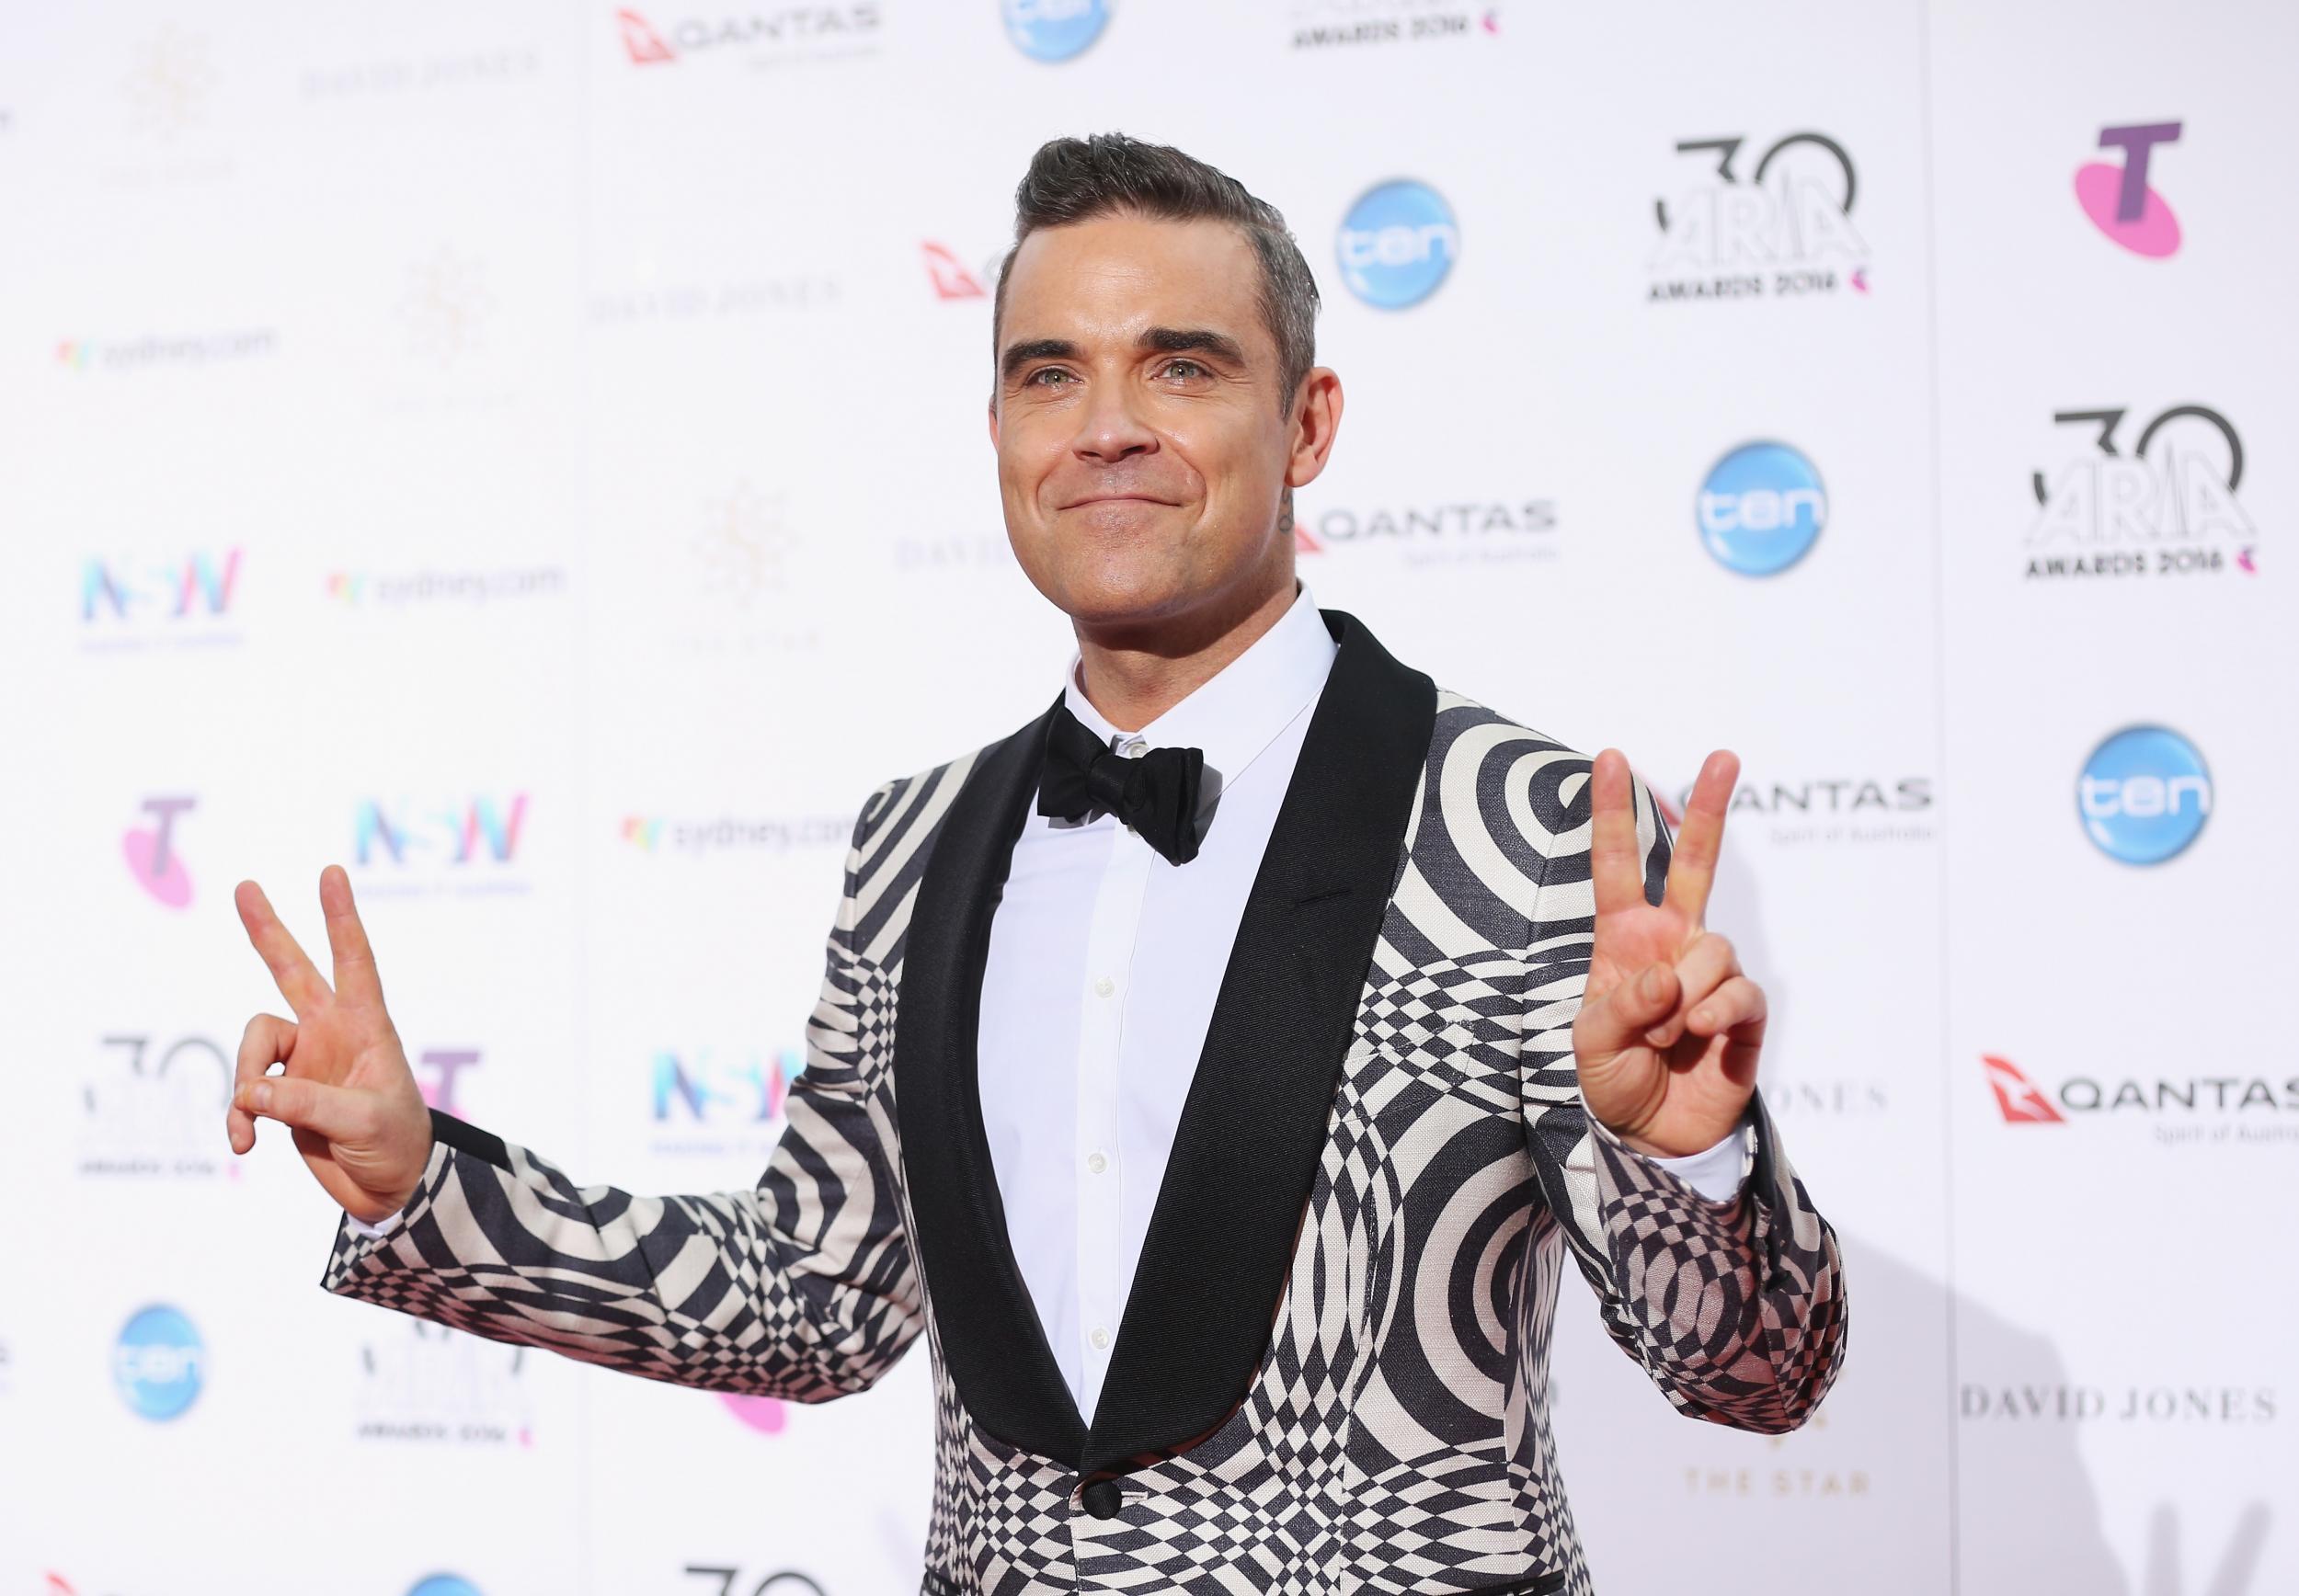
1216, 1070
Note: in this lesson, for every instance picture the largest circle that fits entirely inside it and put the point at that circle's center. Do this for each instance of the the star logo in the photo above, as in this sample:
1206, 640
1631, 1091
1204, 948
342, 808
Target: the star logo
446, 307
742, 545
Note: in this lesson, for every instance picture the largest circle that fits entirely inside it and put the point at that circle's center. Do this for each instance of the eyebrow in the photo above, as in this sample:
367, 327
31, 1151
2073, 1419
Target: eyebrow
1155, 341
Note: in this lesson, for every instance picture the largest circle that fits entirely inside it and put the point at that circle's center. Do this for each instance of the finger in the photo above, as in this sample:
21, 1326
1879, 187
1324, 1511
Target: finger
334, 1113
357, 983
1738, 1007
298, 980
1616, 867
1619, 1018
267, 1040
1692, 867
1707, 962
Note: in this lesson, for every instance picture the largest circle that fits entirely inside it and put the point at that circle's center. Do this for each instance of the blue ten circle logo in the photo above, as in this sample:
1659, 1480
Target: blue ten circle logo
1762, 509
158, 1362
1397, 244
1054, 30
2144, 794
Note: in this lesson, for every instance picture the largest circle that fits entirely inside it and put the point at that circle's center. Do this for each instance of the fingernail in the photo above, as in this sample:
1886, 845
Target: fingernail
263, 1096
1702, 1016
1653, 982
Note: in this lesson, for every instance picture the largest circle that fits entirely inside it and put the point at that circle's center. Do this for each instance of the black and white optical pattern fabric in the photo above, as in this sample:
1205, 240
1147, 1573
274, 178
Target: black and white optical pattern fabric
1396, 1436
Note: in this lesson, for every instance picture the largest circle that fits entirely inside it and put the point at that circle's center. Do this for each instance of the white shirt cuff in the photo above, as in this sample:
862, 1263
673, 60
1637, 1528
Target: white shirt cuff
1715, 1174
362, 1227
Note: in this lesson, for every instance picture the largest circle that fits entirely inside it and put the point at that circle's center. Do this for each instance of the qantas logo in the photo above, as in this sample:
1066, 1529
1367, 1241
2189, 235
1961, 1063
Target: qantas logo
950, 275
640, 39
2253, 1109
2017, 1096
782, 32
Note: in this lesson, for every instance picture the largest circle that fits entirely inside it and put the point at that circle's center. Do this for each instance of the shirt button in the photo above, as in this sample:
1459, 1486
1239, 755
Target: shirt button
1133, 748
1097, 1163
1104, 986
1101, 1339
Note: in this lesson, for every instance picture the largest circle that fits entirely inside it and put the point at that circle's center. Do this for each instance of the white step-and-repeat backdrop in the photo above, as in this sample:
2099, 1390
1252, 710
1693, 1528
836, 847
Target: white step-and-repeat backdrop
533, 454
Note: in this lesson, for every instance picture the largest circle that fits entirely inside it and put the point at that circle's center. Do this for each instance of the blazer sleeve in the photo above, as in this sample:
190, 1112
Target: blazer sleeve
803, 1287
1734, 1309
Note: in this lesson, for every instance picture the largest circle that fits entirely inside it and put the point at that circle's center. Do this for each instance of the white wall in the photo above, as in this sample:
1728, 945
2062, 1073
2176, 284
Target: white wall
598, 441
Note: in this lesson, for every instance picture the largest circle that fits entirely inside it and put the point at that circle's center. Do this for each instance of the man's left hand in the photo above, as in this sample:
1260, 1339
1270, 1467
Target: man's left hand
1669, 1028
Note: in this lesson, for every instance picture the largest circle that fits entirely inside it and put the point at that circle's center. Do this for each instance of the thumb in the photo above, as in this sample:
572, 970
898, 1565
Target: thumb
334, 1113
1621, 1018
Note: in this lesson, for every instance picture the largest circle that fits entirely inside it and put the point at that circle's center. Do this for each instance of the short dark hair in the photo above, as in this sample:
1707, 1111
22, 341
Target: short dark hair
1079, 179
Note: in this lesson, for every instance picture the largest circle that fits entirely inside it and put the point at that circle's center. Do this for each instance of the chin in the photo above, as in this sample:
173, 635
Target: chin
1101, 600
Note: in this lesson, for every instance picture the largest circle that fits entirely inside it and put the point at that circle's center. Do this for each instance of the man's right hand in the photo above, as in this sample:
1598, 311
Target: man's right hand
348, 1094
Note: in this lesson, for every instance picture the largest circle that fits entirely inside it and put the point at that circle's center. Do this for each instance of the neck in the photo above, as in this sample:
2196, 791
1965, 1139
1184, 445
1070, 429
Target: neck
1132, 675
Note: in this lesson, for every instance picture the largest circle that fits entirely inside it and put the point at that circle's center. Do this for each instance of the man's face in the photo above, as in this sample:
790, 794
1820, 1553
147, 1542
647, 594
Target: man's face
1142, 450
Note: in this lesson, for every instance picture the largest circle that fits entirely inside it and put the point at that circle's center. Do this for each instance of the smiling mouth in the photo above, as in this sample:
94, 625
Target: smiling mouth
1117, 498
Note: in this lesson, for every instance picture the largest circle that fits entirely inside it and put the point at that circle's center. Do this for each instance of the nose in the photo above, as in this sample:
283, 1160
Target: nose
1109, 428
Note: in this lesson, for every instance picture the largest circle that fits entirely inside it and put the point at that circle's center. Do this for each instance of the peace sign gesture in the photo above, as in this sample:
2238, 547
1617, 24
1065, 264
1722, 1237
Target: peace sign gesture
358, 1119
1669, 1028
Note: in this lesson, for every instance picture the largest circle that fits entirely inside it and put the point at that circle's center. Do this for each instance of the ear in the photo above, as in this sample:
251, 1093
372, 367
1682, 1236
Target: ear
1316, 418
993, 419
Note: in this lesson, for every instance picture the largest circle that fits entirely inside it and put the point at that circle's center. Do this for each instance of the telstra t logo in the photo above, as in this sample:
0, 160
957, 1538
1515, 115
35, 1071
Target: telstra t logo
2118, 200
151, 855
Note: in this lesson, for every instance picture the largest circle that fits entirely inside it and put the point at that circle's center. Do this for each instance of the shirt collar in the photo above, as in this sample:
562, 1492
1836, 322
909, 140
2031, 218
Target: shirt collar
1241, 708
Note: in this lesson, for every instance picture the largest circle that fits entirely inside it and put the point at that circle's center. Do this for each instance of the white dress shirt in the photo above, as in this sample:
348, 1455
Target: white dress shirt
1103, 963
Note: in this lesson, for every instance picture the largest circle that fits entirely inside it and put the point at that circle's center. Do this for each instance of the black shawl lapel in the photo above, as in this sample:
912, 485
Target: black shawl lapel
992, 1342
1221, 1238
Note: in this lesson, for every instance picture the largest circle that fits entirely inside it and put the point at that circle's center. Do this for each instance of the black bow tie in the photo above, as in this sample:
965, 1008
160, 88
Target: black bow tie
1155, 794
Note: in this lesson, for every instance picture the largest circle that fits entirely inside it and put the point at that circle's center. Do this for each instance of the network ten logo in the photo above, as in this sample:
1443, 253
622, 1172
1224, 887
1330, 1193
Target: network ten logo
2168, 508
1788, 230
158, 1362
1054, 30
2144, 794
1398, 244
153, 859
443, 1585
1761, 508
2117, 197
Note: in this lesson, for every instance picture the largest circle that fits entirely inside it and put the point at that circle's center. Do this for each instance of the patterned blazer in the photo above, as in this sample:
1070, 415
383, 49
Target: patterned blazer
1332, 1373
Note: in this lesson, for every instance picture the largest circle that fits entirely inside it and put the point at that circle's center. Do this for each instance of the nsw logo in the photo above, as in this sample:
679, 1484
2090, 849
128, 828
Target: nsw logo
1054, 30
1398, 244
1761, 508
2144, 794
158, 1362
